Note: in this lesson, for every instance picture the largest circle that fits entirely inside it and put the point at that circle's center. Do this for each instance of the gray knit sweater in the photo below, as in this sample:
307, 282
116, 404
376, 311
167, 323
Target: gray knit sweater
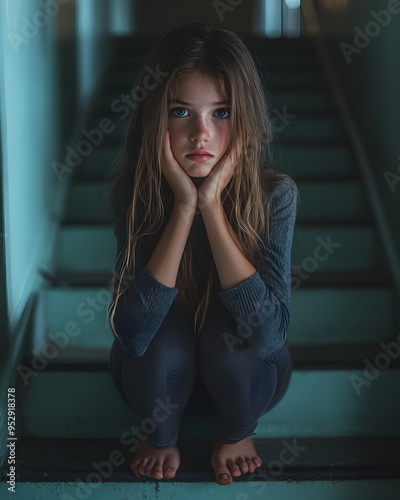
260, 304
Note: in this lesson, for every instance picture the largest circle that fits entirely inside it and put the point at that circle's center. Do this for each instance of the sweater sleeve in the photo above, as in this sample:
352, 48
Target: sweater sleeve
143, 307
260, 304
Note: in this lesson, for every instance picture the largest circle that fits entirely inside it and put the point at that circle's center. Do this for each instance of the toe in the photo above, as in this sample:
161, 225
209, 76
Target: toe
243, 465
134, 468
169, 472
222, 474
157, 471
142, 466
257, 461
234, 469
251, 465
170, 468
148, 468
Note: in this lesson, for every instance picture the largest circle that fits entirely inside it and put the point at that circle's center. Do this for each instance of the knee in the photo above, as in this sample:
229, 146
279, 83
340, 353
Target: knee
217, 360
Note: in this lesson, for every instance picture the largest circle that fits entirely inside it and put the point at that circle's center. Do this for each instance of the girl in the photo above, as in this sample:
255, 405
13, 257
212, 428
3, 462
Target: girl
200, 309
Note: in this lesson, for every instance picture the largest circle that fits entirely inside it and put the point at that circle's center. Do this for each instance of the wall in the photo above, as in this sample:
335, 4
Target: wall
122, 17
53, 54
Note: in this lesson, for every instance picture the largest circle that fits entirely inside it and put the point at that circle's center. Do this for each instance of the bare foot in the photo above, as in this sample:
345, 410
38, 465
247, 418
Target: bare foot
232, 460
155, 463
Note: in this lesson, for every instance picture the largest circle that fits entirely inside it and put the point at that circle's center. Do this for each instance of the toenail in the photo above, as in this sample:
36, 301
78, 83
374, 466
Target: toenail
223, 476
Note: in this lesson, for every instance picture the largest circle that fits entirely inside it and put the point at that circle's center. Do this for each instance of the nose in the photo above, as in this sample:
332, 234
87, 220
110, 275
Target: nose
200, 131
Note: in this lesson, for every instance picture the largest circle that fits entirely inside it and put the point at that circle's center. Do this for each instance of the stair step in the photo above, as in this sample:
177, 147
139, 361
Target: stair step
308, 128
343, 200
270, 61
317, 162
346, 356
301, 101
357, 315
77, 317
86, 248
335, 315
92, 353
330, 247
85, 203
97, 165
289, 78
298, 101
89, 248
380, 277
122, 79
282, 102
345, 279
85, 404
317, 128
319, 202
284, 44
368, 489
288, 128
307, 459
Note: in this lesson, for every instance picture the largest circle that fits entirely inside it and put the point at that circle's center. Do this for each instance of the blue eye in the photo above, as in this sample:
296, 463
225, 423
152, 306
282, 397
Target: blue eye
183, 112
179, 112
223, 111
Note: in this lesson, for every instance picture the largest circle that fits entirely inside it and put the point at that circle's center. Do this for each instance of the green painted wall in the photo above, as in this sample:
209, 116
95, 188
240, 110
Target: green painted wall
53, 56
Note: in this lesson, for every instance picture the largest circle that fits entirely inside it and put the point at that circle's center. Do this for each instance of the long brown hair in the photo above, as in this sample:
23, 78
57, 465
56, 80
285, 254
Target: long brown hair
221, 52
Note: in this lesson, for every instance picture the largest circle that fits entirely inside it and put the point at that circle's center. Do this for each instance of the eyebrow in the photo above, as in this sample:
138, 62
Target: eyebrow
215, 103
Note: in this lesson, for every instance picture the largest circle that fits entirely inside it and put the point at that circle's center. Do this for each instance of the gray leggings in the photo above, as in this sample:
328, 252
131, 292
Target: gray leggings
179, 375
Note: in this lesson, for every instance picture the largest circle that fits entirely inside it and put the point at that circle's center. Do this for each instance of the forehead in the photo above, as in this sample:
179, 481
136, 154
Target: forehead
199, 86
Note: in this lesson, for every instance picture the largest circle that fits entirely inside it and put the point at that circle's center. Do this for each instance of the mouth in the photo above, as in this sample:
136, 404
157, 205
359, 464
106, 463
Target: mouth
200, 155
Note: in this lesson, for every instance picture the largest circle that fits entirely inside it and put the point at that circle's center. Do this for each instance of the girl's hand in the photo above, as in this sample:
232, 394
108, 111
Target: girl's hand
181, 184
211, 188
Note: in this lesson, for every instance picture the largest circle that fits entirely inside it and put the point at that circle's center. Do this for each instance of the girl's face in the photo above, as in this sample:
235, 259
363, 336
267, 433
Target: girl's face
198, 123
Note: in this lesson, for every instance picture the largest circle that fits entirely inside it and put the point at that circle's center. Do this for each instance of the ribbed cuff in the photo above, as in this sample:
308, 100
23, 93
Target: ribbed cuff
247, 297
154, 289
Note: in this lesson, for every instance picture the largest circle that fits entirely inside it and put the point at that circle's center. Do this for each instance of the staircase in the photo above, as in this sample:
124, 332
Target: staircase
335, 435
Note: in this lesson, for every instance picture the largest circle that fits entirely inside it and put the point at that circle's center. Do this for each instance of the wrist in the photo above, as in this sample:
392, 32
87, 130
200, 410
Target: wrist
210, 205
187, 208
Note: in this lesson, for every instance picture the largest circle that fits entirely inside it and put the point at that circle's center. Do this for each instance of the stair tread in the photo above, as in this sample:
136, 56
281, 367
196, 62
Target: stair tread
305, 357
370, 278
330, 224
61, 460
338, 356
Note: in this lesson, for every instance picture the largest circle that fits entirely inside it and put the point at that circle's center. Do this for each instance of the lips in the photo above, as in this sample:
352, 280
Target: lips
200, 155
199, 152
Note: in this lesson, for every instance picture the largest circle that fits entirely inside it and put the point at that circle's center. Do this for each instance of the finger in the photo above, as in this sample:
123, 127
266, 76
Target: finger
166, 144
169, 156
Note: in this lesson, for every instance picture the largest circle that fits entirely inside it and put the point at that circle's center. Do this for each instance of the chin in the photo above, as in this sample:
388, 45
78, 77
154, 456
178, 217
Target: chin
198, 172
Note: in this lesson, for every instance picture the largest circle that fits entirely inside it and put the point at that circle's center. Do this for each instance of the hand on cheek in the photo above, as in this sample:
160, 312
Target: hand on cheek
216, 181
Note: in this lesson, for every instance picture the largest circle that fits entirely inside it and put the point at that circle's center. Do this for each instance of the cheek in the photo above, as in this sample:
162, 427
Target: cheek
222, 136
175, 136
